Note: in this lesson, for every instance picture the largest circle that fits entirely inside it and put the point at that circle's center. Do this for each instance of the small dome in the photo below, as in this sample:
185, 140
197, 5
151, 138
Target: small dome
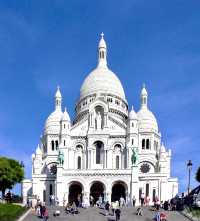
102, 80
132, 115
53, 121
38, 150
147, 120
162, 148
102, 43
58, 93
65, 116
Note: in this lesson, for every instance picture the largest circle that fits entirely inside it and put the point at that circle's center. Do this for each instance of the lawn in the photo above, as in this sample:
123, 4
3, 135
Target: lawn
10, 212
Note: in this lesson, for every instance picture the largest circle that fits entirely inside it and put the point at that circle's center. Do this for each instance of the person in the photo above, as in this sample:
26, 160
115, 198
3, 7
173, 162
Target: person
45, 214
121, 202
134, 201
53, 199
166, 205
107, 207
100, 200
50, 200
91, 200
56, 201
158, 204
147, 200
139, 211
157, 217
117, 214
142, 199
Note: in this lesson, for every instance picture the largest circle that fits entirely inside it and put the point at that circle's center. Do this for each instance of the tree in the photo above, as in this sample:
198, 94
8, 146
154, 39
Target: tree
198, 175
11, 173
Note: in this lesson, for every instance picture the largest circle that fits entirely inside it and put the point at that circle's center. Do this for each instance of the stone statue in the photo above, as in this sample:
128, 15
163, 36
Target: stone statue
98, 120
134, 157
61, 158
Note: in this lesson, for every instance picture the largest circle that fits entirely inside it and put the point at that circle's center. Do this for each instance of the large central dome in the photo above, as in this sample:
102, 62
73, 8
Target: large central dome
101, 79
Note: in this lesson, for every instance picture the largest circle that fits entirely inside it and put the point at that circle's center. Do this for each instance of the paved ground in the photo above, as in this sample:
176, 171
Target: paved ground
95, 214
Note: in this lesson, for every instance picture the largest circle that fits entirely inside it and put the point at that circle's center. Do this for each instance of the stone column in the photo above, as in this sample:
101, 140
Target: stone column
134, 184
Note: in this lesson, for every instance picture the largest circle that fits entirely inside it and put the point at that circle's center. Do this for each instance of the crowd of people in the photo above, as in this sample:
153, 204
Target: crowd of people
111, 209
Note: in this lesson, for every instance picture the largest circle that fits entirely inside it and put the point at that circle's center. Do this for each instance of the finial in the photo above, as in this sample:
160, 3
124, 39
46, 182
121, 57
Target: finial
143, 85
102, 34
132, 107
65, 109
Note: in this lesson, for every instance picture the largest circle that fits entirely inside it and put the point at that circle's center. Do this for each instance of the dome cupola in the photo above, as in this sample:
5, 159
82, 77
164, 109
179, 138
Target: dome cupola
53, 121
102, 79
146, 119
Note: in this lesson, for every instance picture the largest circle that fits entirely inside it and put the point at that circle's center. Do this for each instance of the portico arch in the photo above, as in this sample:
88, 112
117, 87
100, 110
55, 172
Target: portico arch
119, 189
75, 192
97, 189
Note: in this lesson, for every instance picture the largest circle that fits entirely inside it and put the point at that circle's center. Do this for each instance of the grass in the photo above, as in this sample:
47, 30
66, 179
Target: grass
10, 212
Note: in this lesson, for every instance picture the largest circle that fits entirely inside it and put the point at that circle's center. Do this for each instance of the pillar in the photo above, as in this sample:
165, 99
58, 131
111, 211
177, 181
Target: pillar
134, 184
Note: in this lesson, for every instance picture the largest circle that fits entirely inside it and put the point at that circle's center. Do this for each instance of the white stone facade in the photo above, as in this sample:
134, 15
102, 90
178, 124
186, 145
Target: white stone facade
97, 146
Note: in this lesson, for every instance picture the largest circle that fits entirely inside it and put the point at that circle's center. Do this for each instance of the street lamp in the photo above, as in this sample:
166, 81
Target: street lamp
189, 166
22, 166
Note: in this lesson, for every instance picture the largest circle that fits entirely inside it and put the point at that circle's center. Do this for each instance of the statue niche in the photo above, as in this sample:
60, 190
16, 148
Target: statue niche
99, 117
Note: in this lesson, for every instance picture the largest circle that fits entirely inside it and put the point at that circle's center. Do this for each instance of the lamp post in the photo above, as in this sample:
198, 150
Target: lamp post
22, 166
189, 166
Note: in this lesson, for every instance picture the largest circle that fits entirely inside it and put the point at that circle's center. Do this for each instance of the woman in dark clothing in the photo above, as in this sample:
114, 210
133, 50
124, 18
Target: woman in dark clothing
117, 214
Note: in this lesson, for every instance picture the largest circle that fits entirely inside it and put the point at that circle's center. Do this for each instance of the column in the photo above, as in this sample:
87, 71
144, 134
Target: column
134, 184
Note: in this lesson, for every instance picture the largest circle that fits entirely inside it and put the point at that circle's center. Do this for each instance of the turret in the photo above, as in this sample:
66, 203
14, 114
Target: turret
58, 99
102, 53
65, 127
144, 97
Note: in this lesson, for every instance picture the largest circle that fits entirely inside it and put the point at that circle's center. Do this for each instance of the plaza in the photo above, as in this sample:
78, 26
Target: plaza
91, 214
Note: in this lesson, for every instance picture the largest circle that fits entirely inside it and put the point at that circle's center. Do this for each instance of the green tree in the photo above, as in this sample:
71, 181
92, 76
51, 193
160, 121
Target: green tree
198, 175
11, 173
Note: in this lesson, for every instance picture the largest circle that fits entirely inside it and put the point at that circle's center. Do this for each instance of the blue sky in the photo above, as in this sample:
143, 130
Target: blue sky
48, 43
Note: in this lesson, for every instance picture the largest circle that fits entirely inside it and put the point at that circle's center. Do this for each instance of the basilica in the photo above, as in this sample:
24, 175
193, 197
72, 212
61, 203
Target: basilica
107, 150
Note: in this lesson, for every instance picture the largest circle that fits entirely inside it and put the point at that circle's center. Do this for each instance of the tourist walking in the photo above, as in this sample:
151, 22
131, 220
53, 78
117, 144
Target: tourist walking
142, 199
45, 214
134, 201
107, 207
117, 214
121, 202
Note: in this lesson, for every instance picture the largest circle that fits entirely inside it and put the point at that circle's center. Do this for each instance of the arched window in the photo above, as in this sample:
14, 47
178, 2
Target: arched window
132, 124
64, 126
56, 144
143, 143
147, 189
79, 163
132, 141
52, 145
147, 144
99, 152
64, 142
50, 189
117, 162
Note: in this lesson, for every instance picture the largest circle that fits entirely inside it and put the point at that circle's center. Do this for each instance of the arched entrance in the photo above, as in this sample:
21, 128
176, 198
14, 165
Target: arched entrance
119, 189
96, 190
75, 192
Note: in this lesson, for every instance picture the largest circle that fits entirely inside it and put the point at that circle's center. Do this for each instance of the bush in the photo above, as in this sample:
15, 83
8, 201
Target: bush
10, 212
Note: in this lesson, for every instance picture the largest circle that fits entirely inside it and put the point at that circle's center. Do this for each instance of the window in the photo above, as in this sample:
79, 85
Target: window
154, 195
143, 143
50, 189
64, 126
147, 189
132, 142
79, 163
98, 154
64, 142
147, 144
52, 145
117, 162
56, 144
132, 124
